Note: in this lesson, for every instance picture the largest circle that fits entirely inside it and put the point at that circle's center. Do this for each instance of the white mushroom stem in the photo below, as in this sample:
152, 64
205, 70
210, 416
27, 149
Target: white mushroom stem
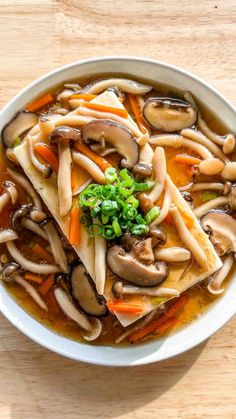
28, 265
166, 204
100, 263
150, 291
56, 247
34, 227
228, 142
96, 330
64, 178
229, 171
127, 122
8, 234
203, 140
213, 203
146, 155
214, 286
125, 85
177, 141
46, 126
42, 168
187, 238
193, 187
141, 102
31, 291
26, 185
82, 187
4, 199
159, 168
70, 310
91, 167
107, 152
172, 254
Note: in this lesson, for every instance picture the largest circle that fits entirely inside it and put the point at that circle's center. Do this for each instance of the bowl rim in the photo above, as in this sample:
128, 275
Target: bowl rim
33, 335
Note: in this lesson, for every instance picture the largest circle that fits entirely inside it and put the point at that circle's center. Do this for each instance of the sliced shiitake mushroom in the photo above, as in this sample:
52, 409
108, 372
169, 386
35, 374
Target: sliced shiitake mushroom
222, 229
169, 114
85, 293
115, 134
22, 122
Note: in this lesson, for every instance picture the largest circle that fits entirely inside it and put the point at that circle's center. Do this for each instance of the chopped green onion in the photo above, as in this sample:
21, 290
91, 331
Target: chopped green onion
95, 211
109, 207
140, 220
208, 196
94, 230
152, 214
126, 190
137, 230
109, 192
133, 201
110, 174
127, 179
140, 187
129, 212
105, 218
116, 227
108, 232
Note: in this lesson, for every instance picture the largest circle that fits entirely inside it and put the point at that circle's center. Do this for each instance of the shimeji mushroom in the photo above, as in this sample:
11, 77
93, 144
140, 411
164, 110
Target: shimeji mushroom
221, 201
222, 230
9, 194
22, 122
119, 289
125, 85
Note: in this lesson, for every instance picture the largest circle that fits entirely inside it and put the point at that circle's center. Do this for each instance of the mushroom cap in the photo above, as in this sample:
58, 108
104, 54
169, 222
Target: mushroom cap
9, 269
18, 214
117, 135
142, 169
168, 114
222, 229
125, 266
64, 133
11, 189
142, 250
85, 293
22, 122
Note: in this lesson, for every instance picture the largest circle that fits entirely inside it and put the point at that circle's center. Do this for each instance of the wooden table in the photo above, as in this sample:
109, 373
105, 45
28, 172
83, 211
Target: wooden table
36, 36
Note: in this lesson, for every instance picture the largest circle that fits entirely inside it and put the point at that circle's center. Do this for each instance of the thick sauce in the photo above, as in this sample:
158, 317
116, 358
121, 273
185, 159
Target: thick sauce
199, 299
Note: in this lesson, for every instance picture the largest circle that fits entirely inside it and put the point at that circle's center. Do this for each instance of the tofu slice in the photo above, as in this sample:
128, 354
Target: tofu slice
47, 189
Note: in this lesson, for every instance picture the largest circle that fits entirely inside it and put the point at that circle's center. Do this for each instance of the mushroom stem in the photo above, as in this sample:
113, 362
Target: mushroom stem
119, 289
25, 184
31, 291
91, 167
125, 85
193, 187
172, 254
82, 187
213, 203
159, 167
70, 310
187, 238
8, 234
64, 178
100, 263
34, 227
4, 199
27, 264
56, 246
176, 141
216, 282
166, 204
45, 169
204, 141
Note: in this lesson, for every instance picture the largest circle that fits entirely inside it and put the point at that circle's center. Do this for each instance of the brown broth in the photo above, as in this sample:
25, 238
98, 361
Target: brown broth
198, 298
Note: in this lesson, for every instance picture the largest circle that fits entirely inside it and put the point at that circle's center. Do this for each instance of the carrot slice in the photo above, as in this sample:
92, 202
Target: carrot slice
168, 220
154, 325
166, 325
137, 113
52, 303
104, 108
42, 253
100, 161
123, 307
47, 154
40, 102
75, 227
186, 159
46, 285
84, 96
33, 277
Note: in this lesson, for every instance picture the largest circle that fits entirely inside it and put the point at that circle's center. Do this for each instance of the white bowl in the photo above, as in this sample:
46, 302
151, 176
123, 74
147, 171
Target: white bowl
206, 324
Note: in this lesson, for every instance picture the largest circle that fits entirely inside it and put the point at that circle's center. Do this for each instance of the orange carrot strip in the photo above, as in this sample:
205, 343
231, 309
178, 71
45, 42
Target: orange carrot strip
74, 234
84, 96
151, 327
74, 178
42, 253
185, 159
104, 108
168, 220
33, 277
40, 102
166, 325
52, 303
46, 285
137, 113
123, 307
100, 161
47, 154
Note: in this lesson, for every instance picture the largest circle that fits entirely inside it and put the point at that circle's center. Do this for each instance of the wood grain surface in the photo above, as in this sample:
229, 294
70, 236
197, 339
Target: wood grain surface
36, 36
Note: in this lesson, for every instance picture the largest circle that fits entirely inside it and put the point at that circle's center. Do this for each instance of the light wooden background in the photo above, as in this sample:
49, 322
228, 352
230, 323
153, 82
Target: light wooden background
36, 36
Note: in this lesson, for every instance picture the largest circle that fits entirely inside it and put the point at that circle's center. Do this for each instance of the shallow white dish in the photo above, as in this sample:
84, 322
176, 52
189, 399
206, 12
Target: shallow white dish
206, 324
